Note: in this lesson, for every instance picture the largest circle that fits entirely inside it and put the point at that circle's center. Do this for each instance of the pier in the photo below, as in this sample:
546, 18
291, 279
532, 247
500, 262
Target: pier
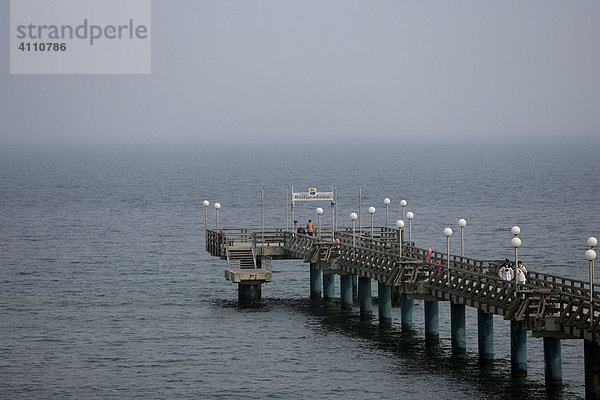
553, 308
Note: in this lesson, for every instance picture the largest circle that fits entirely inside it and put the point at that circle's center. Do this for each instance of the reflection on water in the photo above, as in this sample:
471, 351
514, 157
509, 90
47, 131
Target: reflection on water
414, 358
106, 290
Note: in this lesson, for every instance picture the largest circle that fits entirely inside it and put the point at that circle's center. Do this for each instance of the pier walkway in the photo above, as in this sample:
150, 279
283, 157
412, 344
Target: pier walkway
549, 306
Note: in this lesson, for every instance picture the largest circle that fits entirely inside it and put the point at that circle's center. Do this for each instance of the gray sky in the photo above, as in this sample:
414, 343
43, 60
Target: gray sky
463, 71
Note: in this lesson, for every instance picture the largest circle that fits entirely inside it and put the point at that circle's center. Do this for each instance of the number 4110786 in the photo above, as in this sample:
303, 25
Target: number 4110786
35, 46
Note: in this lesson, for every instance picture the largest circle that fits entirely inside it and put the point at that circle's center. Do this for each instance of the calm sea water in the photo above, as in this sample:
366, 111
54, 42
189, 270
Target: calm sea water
106, 291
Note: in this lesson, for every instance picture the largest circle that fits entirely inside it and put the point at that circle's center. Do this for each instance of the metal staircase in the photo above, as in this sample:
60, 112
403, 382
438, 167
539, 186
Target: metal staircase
240, 257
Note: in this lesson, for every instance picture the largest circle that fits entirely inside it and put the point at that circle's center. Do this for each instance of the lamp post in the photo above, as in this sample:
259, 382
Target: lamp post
410, 215
462, 223
448, 233
590, 255
287, 212
400, 226
386, 201
206, 204
516, 243
353, 217
403, 203
217, 207
360, 209
371, 211
333, 211
319, 213
262, 215
292, 208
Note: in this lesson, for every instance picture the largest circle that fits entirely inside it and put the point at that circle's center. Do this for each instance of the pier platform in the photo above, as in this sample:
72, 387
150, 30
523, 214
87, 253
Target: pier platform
551, 307
248, 275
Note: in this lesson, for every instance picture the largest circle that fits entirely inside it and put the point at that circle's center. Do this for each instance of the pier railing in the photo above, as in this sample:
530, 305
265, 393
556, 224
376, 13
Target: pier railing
546, 302
386, 240
214, 242
563, 285
391, 243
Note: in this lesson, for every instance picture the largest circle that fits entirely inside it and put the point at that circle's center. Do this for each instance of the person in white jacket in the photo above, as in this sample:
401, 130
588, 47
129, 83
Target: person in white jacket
521, 273
506, 271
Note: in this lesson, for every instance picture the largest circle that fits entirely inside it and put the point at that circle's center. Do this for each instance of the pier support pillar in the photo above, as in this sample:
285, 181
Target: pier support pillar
395, 296
432, 323
407, 315
315, 283
385, 305
457, 326
354, 287
249, 294
365, 299
592, 369
328, 289
346, 292
485, 336
552, 362
518, 350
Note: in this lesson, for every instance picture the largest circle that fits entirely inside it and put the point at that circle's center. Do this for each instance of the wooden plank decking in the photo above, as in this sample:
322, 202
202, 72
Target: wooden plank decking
548, 305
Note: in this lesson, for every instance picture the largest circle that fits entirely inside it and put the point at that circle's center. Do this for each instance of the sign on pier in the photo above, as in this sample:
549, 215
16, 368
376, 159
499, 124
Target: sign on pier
312, 194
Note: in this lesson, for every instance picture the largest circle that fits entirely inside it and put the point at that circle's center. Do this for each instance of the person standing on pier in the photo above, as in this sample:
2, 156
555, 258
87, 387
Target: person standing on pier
301, 229
521, 273
310, 229
506, 271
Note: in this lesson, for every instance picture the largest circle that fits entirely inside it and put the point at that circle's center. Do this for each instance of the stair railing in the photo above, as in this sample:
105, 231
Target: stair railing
227, 240
253, 247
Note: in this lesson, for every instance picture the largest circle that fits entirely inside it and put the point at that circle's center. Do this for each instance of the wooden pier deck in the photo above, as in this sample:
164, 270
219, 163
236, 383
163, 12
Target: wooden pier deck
548, 305
551, 307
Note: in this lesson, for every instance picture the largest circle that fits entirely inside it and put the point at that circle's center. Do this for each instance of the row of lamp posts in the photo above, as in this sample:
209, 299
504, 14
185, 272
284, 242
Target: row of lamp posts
387, 202
448, 232
353, 216
515, 241
399, 223
590, 254
217, 206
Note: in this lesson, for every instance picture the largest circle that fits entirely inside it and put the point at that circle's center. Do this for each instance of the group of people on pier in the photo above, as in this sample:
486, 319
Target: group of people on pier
310, 228
507, 272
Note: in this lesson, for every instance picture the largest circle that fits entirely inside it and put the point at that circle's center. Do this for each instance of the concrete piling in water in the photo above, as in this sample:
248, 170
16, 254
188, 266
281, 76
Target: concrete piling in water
365, 299
328, 289
552, 362
322, 286
395, 296
518, 350
407, 315
315, 283
485, 336
385, 305
346, 293
592, 369
432, 323
457, 328
249, 294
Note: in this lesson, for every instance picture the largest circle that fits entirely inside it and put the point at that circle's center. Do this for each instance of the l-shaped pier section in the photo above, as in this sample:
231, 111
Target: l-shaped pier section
551, 307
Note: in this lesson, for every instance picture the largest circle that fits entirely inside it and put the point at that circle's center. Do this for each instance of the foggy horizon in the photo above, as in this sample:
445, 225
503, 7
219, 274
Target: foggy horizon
319, 73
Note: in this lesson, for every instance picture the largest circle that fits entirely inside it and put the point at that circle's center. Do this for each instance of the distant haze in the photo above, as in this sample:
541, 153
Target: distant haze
352, 71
